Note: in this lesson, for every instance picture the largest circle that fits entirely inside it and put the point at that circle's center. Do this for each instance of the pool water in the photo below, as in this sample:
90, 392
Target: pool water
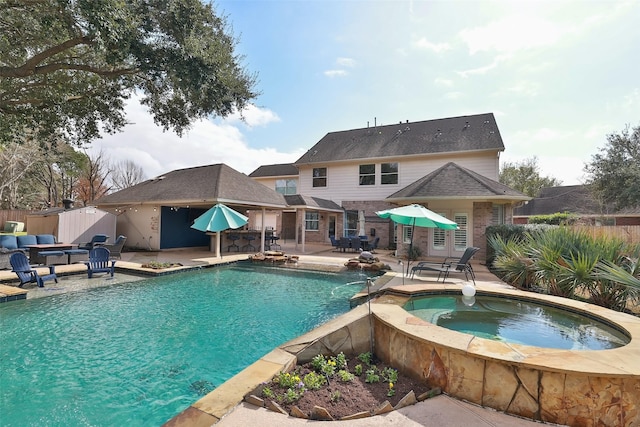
136, 354
517, 321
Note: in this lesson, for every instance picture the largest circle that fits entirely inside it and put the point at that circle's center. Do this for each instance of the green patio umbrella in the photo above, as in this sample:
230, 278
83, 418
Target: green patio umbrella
217, 219
417, 215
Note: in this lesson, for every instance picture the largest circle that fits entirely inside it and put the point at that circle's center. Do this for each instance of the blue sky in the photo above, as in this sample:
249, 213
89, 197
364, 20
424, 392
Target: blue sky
559, 77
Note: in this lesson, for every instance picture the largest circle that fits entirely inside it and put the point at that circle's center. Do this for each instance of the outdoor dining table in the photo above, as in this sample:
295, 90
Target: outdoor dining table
34, 251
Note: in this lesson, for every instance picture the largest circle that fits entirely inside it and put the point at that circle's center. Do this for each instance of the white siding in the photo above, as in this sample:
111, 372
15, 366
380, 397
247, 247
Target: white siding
141, 226
343, 178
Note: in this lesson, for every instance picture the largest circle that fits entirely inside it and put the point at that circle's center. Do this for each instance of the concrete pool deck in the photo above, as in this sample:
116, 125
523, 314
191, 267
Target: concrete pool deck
441, 411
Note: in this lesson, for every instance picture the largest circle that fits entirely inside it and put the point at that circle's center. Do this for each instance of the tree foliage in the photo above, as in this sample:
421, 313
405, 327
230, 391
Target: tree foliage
525, 177
614, 173
67, 67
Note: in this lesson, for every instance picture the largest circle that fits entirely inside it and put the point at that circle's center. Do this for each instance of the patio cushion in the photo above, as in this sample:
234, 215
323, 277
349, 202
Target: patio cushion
46, 239
8, 241
27, 239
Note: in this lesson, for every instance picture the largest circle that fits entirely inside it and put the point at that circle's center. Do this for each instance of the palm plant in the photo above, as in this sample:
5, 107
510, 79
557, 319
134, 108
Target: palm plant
512, 262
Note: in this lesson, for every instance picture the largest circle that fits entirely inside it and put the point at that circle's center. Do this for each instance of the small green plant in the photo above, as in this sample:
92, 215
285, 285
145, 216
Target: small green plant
286, 379
329, 368
392, 390
268, 393
341, 360
345, 376
318, 362
372, 375
292, 395
365, 358
390, 374
313, 381
335, 396
358, 370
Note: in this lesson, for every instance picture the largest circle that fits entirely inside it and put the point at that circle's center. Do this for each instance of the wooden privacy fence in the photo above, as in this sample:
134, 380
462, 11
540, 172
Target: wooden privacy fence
19, 215
628, 233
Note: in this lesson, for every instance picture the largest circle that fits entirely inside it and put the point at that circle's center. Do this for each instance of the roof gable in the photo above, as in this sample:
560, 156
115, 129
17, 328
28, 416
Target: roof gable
202, 184
455, 134
454, 181
283, 169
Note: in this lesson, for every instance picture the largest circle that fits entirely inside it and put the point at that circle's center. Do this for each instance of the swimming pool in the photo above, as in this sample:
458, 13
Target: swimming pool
139, 353
517, 321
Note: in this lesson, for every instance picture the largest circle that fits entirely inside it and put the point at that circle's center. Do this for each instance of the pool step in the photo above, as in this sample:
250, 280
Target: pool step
12, 293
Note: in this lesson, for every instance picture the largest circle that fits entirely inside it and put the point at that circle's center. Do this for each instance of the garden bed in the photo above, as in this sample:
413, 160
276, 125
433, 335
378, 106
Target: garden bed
338, 388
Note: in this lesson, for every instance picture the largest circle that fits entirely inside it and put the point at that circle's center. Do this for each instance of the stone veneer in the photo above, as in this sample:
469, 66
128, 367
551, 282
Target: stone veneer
576, 388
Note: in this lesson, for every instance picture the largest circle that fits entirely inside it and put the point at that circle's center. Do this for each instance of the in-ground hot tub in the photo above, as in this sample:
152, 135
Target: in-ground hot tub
574, 387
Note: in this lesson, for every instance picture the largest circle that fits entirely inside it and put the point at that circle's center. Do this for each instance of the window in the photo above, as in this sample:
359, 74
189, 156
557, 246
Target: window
407, 232
367, 174
312, 221
460, 234
389, 173
319, 177
350, 223
286, 186
497, 216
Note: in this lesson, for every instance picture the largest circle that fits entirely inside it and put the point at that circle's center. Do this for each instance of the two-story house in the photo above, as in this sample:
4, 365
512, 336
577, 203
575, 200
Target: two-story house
448, 165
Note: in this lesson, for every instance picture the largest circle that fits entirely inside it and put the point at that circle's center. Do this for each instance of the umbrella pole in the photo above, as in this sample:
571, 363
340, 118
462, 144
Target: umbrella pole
217, 244
413, 229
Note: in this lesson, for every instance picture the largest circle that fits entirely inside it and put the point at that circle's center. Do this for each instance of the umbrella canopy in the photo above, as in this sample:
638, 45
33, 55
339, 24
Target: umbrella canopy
417, 215
219, 218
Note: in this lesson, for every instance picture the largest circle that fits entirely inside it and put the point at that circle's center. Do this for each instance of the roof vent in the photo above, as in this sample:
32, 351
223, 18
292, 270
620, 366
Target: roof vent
67, 203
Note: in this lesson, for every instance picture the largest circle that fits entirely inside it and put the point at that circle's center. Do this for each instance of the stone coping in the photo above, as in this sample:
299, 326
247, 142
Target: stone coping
621, 361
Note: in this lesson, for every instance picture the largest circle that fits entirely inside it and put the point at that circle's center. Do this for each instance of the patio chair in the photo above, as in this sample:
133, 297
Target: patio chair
373, 245
26, 274
100, 262
450, 265
334, 243
116, 248
98, 238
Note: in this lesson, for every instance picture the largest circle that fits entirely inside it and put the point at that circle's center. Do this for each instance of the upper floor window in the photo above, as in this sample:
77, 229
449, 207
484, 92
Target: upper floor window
312, 221
367, 174
286, 186
389, 173
319, 177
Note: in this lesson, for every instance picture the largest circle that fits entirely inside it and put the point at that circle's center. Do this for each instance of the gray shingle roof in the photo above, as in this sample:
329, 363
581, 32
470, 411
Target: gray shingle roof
576, 199
201, 185
283, 169
299, 200
454, 181
455, 134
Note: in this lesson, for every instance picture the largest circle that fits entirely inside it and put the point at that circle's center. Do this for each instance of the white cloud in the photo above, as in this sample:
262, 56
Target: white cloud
254, 116
346, 62
443, 82
511, 33
205, 143
335, 73
423, 43
481, 70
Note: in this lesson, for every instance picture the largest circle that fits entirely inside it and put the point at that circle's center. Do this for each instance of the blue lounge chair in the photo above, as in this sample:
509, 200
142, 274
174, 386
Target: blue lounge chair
26, 274
100, 262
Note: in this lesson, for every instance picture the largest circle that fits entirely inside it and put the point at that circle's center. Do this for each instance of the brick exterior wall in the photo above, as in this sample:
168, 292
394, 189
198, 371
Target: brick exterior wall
383, 227
482, 214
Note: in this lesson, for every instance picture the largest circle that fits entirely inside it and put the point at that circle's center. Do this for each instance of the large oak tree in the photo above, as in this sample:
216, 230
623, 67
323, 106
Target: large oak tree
614, 173
525, 177
67, 67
